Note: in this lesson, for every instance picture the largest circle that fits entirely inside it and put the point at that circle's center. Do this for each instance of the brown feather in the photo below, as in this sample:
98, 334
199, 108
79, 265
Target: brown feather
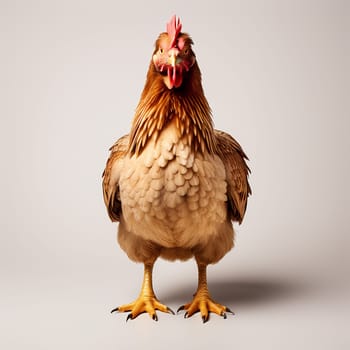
187, 106
237, 172
110, 185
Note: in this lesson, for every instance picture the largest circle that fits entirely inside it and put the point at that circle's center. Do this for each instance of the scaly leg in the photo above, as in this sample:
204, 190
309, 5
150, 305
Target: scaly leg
147, 301
201, 300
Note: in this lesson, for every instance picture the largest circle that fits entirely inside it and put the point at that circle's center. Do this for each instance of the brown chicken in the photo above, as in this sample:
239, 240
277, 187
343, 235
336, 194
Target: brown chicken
175, 184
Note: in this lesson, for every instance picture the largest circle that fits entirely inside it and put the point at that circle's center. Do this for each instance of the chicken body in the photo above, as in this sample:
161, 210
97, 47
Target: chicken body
176, 199
175, 184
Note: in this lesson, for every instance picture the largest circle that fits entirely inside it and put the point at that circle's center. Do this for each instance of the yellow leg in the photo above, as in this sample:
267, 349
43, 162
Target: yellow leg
202, 301
147, 301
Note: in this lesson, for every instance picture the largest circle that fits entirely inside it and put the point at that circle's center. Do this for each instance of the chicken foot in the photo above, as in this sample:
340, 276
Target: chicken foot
147, 301
202, 301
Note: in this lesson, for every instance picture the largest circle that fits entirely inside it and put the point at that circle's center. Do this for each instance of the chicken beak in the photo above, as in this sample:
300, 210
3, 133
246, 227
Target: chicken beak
173, 59
174, 70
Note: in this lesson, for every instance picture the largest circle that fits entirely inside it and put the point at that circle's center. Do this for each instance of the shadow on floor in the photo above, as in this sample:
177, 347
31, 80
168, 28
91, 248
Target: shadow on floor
242, 292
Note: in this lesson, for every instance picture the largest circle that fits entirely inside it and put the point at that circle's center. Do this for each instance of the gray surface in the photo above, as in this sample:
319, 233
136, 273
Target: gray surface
276, 74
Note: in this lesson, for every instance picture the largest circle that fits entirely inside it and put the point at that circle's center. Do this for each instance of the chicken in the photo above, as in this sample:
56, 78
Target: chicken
174, 183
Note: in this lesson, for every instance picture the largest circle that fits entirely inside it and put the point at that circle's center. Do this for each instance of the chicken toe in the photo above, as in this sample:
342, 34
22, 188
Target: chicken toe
205, 305
143, 304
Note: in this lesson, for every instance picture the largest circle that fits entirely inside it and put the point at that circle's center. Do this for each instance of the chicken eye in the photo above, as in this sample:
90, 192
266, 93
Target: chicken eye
186, 51
161, 50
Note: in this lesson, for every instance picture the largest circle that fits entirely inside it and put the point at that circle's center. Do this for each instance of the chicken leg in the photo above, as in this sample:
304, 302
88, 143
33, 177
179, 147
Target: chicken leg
202, 300
147, 301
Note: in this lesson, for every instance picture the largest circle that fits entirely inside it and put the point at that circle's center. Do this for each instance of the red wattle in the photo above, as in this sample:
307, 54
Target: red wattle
175, 77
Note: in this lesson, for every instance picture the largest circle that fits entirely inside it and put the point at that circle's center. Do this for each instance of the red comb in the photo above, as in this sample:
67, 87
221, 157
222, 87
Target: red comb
173, 28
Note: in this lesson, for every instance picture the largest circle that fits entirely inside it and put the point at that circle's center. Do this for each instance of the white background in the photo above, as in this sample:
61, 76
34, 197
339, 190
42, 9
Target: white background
276, 74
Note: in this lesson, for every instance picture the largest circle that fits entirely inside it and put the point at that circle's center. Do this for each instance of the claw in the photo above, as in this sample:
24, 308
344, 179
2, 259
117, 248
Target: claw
155, 317
205, 318
129, 317
170, 311
182, 307
223, 314
115, 310
229, 311
186, 315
